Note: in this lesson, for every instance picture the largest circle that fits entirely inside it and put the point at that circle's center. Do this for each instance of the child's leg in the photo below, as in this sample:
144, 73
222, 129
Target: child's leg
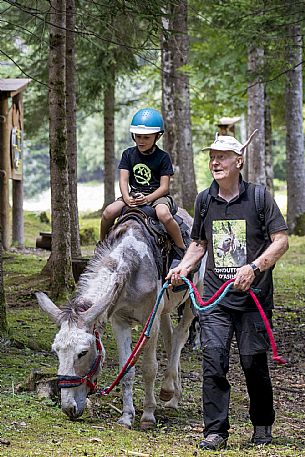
110, 213
172, 228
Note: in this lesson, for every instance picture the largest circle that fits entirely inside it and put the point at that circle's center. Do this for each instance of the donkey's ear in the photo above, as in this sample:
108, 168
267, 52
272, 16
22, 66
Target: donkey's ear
90, 316
49, 307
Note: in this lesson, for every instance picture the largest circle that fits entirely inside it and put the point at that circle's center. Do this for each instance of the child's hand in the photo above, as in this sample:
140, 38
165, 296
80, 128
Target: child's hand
130, 201
140, 199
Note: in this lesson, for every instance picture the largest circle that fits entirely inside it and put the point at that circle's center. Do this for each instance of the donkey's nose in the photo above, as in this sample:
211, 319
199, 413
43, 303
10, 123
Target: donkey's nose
71, 410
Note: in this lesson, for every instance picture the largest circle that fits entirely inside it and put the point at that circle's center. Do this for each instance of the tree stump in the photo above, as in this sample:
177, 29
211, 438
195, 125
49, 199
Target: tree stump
78, 266
45, 384
44, 241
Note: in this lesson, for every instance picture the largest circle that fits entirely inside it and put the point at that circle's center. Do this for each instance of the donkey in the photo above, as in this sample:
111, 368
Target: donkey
119, 284
230, 244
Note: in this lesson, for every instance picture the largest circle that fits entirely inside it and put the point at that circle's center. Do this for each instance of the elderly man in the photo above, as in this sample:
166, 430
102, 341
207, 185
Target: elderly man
238, 247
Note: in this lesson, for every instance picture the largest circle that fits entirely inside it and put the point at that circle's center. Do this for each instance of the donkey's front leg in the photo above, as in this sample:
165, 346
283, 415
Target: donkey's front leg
149, 368
122, 332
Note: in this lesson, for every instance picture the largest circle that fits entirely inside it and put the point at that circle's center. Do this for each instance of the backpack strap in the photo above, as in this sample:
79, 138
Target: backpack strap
206, 198
259, 198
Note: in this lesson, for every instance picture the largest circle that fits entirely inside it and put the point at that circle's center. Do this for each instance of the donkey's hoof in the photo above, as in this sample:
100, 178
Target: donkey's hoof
125, 422
147, 425
172, 404
166, 395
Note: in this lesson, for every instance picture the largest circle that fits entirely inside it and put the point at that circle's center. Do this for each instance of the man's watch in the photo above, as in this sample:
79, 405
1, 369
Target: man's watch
255, 269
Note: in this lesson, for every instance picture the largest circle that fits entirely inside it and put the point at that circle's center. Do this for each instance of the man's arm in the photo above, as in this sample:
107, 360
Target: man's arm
192, 257
279, 245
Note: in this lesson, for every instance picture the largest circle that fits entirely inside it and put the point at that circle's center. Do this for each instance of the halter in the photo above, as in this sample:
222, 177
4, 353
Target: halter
66, 381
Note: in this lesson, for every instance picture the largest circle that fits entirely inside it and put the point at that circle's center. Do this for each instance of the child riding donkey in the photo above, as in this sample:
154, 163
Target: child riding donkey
144, 179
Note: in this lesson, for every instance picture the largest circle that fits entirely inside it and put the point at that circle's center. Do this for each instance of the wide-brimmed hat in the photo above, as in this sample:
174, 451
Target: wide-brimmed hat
229, 143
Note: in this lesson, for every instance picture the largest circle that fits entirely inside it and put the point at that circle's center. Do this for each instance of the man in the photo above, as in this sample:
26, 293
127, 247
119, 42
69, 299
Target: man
232, 234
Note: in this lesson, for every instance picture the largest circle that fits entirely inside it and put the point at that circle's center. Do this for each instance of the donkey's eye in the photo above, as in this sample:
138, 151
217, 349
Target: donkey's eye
81, 354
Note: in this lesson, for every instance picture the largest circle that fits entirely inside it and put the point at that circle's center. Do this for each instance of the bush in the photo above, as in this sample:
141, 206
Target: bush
87, 236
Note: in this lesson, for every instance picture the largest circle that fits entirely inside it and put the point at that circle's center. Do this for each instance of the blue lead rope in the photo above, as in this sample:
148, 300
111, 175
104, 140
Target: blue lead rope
202, 309
193, 299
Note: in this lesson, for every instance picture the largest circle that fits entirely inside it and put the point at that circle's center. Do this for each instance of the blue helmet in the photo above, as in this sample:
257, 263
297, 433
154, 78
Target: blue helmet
147, 120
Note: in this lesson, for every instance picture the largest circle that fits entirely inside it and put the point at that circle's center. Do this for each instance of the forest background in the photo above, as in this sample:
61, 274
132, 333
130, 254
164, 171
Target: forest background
120, 43
92, 65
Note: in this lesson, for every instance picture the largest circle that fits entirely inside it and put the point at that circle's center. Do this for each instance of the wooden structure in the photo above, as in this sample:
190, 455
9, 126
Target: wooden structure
44, 241
226, 125
11, 158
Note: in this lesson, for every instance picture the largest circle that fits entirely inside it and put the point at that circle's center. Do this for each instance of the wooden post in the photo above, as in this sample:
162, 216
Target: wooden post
18, 226
5, 170
17, 178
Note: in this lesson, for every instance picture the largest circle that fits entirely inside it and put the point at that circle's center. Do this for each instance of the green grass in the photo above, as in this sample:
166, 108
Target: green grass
33, 226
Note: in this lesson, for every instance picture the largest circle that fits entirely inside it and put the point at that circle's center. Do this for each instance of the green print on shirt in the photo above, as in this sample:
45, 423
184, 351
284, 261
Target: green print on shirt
142, 173
229, 244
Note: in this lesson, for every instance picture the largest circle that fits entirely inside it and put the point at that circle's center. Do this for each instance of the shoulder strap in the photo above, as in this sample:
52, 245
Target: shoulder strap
259, 197
206, 198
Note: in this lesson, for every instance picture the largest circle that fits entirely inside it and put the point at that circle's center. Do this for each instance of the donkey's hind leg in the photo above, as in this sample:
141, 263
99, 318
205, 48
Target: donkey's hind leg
122, 332
171, 390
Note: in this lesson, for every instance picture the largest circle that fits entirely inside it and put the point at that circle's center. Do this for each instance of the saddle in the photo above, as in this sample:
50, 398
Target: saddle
157, 237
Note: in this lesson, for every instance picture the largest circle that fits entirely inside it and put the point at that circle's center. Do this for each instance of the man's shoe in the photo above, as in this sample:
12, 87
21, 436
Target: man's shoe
262, 435
213, 442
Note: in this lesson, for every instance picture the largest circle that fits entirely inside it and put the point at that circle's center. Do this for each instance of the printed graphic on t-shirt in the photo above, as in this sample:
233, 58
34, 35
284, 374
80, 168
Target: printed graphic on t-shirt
142, 173
229, 246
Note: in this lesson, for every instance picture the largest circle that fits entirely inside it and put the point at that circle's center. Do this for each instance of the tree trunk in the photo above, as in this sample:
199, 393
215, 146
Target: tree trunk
268, 145
295, 134
3, 320
61, 265
256, 118
72, 127
109, 152
168, 110
182, 106
243, 139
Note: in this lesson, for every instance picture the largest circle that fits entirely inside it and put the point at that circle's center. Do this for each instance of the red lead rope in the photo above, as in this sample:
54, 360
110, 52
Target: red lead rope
194, 295
277, 358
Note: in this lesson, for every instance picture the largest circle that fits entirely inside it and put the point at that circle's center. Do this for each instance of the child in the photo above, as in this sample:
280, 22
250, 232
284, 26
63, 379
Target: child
145, 172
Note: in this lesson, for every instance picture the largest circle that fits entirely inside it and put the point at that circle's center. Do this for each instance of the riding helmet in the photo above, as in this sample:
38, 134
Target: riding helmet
147, 120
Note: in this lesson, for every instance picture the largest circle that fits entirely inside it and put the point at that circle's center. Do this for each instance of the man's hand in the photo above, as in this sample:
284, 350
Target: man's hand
191, 258
174, 276
244, 278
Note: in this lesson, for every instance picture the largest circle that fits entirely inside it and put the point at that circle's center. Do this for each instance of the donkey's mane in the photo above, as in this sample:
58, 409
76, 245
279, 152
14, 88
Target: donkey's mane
102, 261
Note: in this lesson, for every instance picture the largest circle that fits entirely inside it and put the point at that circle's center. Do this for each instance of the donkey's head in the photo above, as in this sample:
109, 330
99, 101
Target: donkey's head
80, 353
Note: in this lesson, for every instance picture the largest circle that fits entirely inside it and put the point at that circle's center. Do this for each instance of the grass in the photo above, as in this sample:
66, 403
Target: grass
34, 426
33, 226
